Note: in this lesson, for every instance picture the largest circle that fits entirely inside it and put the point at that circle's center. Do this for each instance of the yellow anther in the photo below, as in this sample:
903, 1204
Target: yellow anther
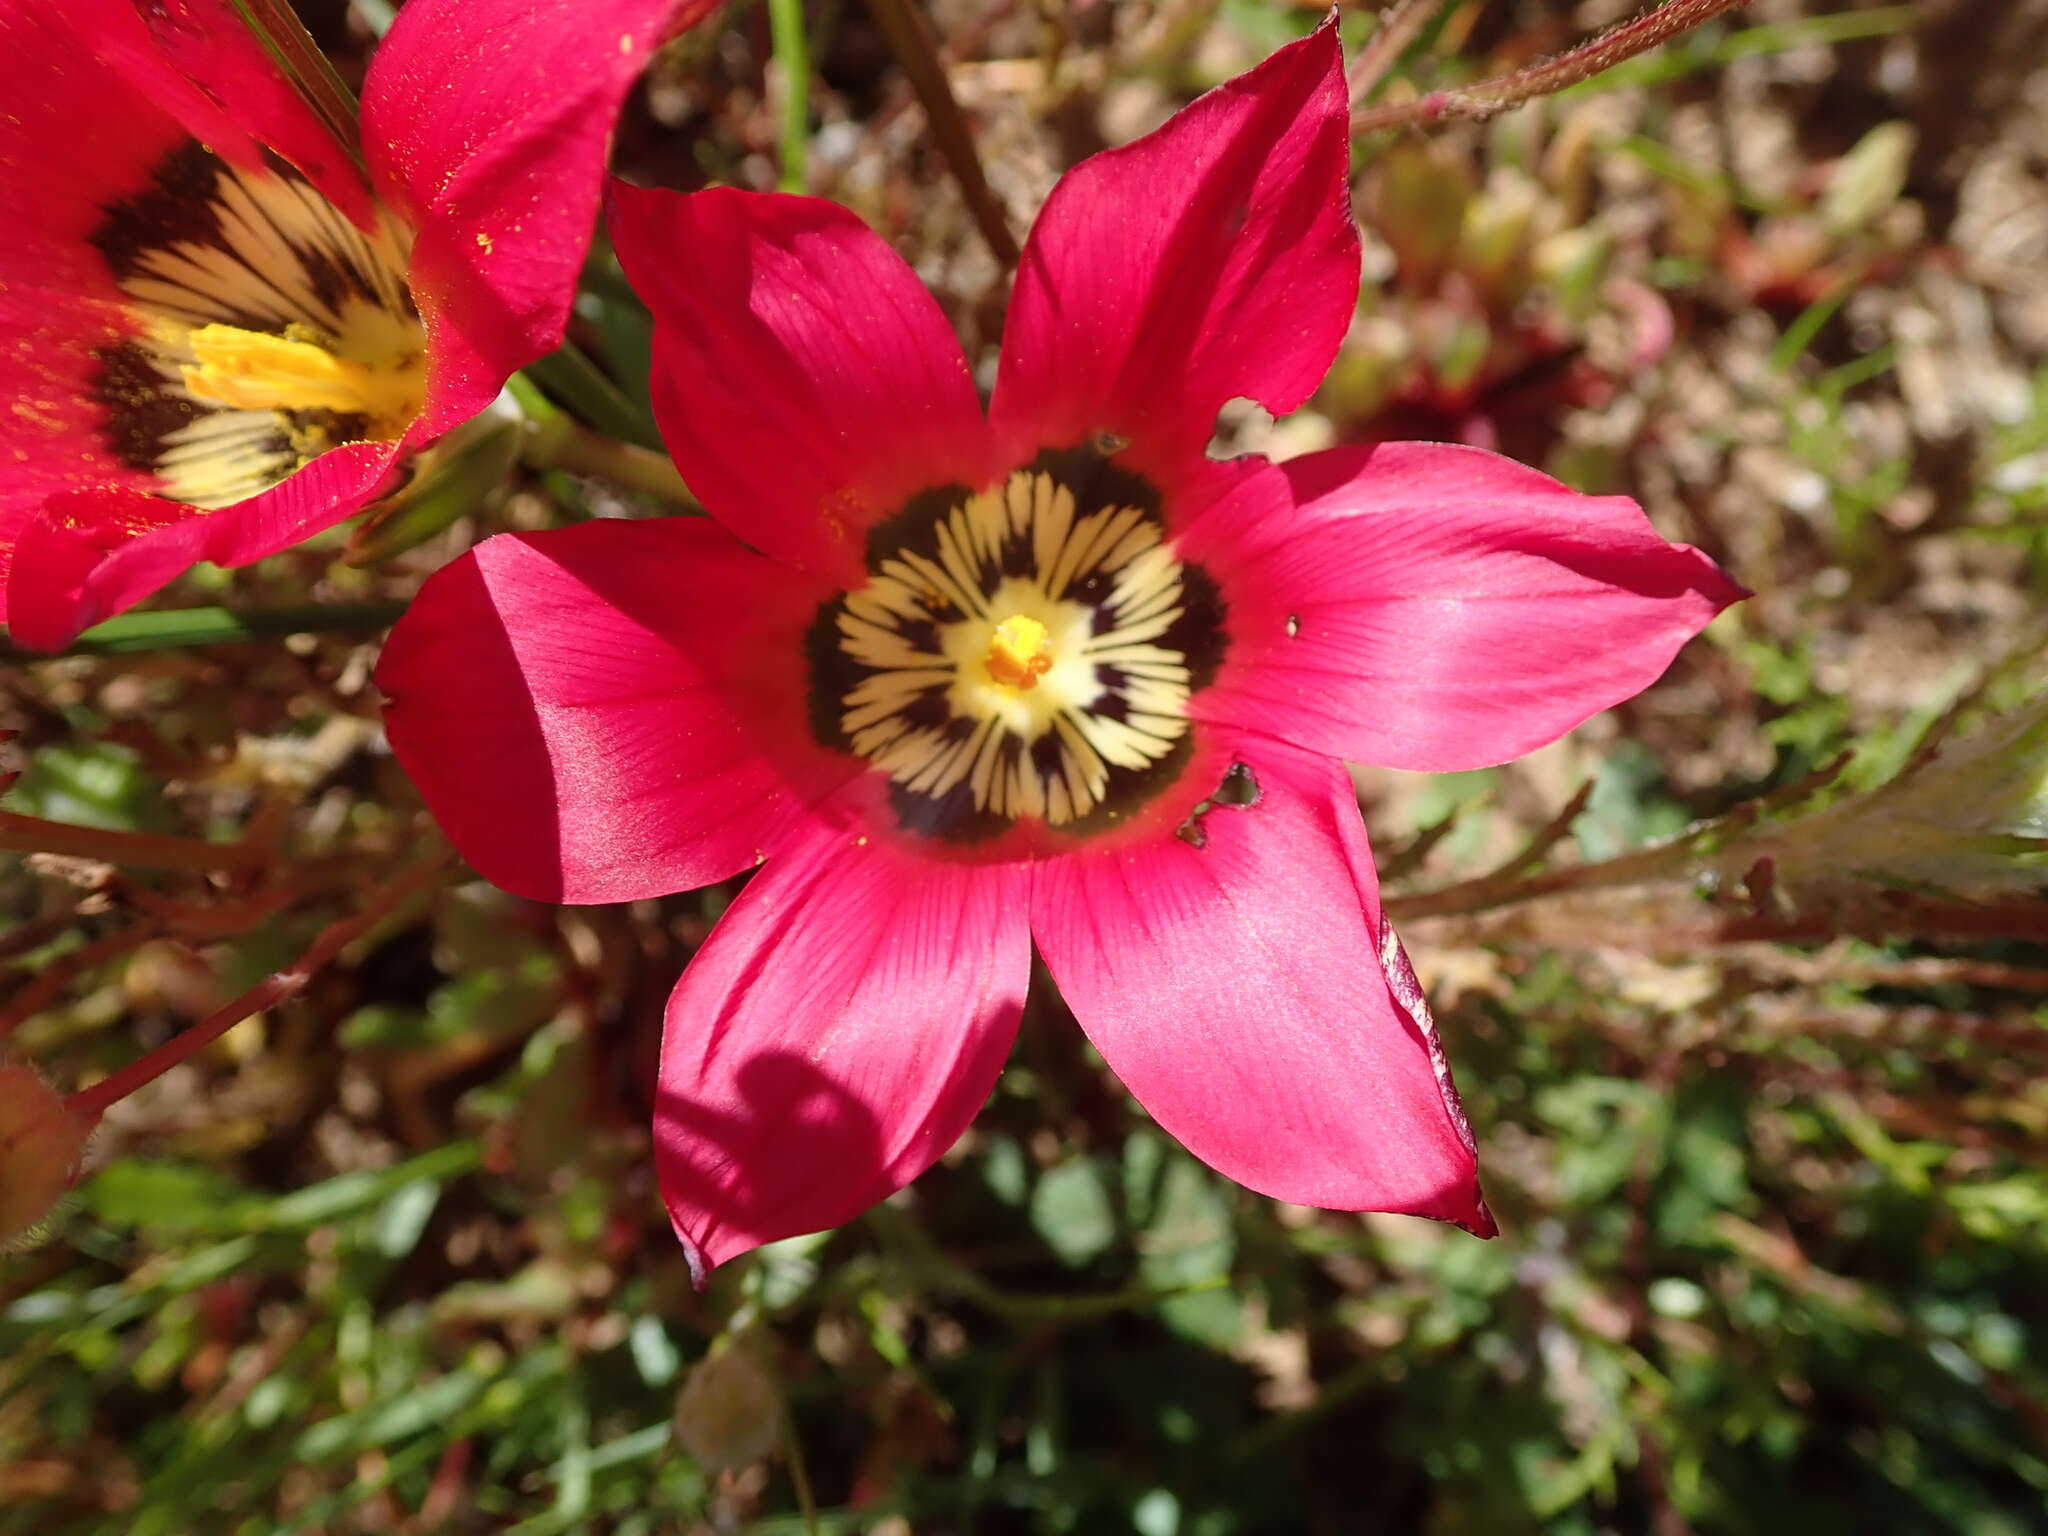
1019, 653
255, 371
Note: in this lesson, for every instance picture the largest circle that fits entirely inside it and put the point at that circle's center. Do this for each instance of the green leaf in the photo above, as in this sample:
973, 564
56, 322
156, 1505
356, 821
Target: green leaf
168, 1199
1070, 1209
399, 1222
654, 1352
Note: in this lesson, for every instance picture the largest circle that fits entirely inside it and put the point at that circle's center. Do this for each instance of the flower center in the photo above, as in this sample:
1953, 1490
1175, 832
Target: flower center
1022, 653
267, 328
255, 371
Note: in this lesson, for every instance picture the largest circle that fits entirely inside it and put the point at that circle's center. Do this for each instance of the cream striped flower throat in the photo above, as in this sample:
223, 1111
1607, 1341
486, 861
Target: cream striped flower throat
1024, 652
267, 328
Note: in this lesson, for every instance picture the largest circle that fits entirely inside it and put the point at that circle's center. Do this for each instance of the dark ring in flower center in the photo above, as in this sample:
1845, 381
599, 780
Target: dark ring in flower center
1020, 653
265, 328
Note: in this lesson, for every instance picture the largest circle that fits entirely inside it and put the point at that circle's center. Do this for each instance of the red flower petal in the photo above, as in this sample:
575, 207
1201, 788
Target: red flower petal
97, 98
1214, 258
52, 326
610, 711
1235, 989
1423, 606
487, 123
92, 553
805, 381
834, 1036
198, 62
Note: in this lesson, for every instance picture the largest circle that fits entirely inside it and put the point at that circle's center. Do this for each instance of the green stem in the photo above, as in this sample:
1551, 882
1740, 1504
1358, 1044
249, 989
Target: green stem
799, 1474
793, 63
169, 628
583, 452
1729, 843
568, 373
557, 440
935, 1271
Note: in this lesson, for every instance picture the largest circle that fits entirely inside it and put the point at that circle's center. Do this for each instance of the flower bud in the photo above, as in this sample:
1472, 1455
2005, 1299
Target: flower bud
729, 1413
1567, 167
1418, 198
1462, 346
40, 1144
1376, 362
1573, 262
1493, 246
1868, 180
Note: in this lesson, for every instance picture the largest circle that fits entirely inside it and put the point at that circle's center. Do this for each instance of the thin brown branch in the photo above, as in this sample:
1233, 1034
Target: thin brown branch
1408, 858
1555, 831
1468, 898
139, 850
1832, 965
912, 44
1399, 25
1486, 98
91, 1103
1911, 919
1473, 915
1678, 858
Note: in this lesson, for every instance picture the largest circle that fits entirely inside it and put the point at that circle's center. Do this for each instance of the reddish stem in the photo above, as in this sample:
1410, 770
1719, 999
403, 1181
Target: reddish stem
89, 1104
1488, 97
141, 850
37, 994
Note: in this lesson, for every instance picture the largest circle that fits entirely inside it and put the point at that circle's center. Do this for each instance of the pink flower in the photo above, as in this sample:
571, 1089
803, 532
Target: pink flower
206, 307
1046, 675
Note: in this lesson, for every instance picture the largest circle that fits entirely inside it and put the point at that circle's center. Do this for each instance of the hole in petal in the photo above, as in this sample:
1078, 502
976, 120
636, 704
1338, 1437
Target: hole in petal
1242, 426
1238, 790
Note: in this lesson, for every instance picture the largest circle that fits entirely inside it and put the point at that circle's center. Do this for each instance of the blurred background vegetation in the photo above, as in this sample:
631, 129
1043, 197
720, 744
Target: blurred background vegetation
1765, 1133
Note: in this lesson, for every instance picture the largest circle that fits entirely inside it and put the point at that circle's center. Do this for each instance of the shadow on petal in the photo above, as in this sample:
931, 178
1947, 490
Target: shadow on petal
798, 1139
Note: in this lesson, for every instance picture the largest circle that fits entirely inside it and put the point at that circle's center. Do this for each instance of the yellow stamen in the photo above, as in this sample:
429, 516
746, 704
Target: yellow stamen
1020, 653
254, 371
